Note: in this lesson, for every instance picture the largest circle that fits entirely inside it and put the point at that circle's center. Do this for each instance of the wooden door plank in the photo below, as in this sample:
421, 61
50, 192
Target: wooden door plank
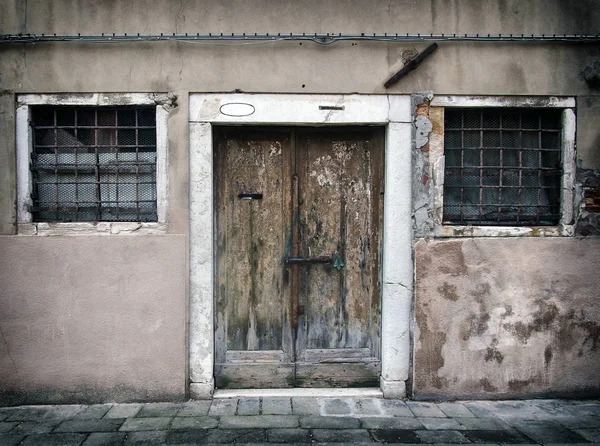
319, 173
331, 354
238, 356
252, 169
341, 173
338, 375
254, 376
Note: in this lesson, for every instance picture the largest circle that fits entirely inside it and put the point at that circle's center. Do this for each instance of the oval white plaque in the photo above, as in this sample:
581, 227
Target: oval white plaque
237, 109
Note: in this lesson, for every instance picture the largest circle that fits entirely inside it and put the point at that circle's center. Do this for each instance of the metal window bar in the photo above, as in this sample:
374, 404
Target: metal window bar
93, 164
503, 166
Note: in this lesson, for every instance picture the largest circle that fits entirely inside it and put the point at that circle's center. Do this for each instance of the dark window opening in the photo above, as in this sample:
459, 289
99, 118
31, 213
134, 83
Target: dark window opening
502, 166
93, 164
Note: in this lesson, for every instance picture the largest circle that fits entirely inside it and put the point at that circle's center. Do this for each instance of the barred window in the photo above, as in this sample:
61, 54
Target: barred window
502, 166
93, 163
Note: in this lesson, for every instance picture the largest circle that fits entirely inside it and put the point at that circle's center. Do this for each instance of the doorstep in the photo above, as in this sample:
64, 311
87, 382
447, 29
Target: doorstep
366, 392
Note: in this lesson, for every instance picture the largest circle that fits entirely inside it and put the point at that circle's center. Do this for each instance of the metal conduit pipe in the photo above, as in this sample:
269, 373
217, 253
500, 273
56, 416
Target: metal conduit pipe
323, 39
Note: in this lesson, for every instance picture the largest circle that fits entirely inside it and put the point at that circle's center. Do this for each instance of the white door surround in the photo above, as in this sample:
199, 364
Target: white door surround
392, 111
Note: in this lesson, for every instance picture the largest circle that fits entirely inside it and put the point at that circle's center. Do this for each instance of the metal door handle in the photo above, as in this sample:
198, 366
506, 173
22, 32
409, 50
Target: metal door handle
335, 259
296, 260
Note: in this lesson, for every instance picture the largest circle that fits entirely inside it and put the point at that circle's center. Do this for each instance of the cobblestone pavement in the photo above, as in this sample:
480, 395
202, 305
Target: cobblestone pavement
305, 420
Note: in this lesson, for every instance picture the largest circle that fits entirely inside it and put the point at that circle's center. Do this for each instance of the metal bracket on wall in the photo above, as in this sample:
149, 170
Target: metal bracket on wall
411, 65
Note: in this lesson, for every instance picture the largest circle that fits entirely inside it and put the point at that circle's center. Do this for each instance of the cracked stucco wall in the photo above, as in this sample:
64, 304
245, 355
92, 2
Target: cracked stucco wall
494, 321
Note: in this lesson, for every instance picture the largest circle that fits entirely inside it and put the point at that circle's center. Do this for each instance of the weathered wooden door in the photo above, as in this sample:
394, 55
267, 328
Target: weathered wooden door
298, 232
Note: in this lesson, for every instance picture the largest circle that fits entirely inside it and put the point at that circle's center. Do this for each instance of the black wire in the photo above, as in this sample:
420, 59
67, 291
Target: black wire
322, 39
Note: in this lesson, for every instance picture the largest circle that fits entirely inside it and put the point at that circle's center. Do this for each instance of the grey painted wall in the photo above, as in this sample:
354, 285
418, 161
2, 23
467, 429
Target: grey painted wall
92, 318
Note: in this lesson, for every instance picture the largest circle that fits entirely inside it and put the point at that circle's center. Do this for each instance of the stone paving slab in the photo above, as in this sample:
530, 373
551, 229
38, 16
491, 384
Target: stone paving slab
104, 439
236, 436
146, 424
395, 436
438, 423
429, 410
248, 406
317, 422
306, 406
94, 412
258, 421
337, 406
35, 427
548, 432
366, 407
6, 426
189, 436
276, 406
46, 413
341, 435
106, 425
159, 410
123, 411
146, 438
10, 439
391, 423
63, 439
442, 436
194, 409
292, 435
589, 434
496, 437
194, 423
455, 410
224, 407
305, 420
395, 408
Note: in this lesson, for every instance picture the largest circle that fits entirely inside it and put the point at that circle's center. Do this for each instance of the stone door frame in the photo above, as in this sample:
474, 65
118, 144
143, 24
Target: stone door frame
391, 111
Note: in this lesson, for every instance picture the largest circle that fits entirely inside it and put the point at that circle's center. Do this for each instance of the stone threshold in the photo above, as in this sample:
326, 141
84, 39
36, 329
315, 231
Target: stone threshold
366, 392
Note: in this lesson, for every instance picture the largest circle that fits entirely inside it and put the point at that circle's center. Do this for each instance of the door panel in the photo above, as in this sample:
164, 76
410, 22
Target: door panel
252, 330
302, 193
340, 177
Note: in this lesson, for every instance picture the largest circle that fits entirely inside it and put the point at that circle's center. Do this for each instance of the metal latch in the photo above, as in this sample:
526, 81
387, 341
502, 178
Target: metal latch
335, 259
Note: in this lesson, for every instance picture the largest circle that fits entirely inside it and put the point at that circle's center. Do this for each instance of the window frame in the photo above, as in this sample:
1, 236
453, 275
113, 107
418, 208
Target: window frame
24, 146
438, 104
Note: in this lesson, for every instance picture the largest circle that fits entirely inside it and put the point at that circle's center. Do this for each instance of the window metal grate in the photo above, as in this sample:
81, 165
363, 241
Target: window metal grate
502, 166
93, 164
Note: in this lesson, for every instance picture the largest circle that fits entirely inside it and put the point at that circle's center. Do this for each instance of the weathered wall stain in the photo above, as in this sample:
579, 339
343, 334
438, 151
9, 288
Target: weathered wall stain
493, 354
487, 386
545, 315
453, 260
448, 291
519, 385
548, 356
476, 324
523, 326
430, 357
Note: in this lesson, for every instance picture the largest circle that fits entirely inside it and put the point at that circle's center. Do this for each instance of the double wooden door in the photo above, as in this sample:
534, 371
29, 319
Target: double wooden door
298, 233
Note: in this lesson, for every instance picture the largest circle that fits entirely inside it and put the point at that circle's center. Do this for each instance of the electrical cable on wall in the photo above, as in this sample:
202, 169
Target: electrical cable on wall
322, 39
